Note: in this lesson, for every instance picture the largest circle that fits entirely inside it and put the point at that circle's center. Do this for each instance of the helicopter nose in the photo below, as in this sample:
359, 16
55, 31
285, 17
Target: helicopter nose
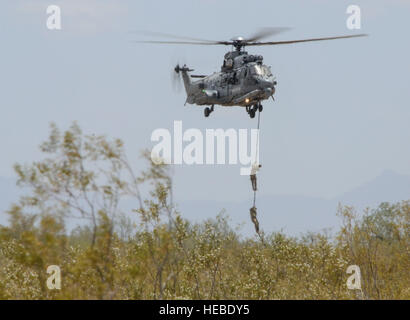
269, 91
268, 84
272, 84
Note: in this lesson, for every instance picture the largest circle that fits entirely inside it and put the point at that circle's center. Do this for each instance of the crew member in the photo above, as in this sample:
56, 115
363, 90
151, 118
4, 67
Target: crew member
254, 170
254, 219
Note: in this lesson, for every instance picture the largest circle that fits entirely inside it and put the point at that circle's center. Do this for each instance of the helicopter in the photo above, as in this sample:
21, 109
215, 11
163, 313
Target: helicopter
244, 80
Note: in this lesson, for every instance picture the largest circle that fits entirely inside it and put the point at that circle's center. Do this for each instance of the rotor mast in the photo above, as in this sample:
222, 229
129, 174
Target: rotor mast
238, 43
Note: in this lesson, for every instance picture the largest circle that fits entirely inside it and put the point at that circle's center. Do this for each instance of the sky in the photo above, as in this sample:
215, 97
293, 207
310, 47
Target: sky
341, 115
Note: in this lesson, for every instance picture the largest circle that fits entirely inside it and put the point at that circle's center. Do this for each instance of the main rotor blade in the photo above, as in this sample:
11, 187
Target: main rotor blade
266, 32
172, 36
304, 40
186, 42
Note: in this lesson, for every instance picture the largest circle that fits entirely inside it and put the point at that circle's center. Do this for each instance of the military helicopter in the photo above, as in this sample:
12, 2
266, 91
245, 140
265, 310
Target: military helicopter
244, 80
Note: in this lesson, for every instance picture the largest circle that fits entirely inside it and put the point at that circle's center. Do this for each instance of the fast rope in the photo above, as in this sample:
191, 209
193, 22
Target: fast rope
253, 212
256, 153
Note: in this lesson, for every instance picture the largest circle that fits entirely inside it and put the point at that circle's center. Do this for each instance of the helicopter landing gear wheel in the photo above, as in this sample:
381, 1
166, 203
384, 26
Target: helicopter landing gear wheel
252, 113
252, 110
207, 111
260, 107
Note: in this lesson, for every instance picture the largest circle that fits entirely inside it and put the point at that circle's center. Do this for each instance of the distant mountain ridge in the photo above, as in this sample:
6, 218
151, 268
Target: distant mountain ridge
389, 186
298, 214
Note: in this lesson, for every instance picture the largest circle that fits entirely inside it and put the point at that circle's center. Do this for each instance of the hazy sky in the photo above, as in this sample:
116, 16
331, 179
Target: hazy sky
340, 118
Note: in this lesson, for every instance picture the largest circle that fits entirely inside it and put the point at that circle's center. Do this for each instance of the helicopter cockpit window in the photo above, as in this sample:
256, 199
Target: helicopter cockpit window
267, 71
228, 63
261, 71
256, 70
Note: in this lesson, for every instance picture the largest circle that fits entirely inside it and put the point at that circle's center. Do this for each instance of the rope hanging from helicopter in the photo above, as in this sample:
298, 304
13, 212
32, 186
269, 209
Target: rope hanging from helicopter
254, 169
256, 162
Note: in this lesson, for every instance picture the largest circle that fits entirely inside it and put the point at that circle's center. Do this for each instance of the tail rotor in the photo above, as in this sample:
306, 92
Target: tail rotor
176, 80
176, 77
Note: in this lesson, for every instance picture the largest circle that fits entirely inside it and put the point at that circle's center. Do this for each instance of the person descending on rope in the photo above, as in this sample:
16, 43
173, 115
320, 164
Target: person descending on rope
254, 219
254, 170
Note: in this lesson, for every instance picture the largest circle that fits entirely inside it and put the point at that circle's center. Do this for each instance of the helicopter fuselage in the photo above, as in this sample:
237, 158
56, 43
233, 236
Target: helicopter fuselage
243, 81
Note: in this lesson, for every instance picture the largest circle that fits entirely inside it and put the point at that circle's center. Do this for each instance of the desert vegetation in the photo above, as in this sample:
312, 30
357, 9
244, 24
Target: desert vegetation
153, 252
